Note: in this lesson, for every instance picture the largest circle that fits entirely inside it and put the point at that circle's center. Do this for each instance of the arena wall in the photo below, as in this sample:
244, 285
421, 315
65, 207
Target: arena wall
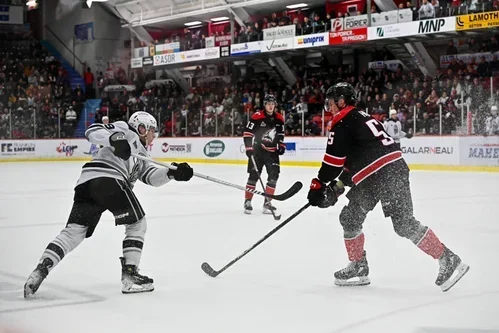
472, 153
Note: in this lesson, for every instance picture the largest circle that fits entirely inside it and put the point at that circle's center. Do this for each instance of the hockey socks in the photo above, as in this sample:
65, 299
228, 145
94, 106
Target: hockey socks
431, 245
270, 189
355, 247
249, 195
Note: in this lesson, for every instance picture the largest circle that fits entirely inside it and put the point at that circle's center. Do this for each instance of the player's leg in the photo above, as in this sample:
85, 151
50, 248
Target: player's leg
273, 168
398, 205
361, 201
251, 183
122, 202
84, 216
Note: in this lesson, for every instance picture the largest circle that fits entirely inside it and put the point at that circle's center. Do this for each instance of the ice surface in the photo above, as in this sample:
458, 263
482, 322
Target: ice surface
285, 285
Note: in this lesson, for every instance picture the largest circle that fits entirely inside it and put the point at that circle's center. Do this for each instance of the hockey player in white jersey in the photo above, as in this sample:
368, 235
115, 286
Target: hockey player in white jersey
106, 183
393, 127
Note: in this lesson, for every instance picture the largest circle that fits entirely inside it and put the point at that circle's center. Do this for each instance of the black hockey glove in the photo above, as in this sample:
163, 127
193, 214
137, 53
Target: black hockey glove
282, 148
346, 178
322, 195
408, 135
249, 151
183, 172
121, 146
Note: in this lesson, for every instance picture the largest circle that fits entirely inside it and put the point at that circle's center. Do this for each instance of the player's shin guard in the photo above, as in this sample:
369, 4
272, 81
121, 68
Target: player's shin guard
69, 238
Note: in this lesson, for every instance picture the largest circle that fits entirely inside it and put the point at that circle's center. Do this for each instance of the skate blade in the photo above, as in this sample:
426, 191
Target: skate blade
461, 270
248, 212
362, 281
135, 289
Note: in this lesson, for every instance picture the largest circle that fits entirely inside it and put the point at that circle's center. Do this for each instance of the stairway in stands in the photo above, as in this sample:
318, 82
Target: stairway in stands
74, 77
87, 116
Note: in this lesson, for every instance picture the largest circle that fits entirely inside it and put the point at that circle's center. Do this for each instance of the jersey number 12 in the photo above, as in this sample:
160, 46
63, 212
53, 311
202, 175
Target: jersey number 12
373, 124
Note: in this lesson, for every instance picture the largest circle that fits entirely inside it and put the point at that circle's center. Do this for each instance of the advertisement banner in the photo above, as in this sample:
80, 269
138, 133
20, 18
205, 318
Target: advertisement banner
286, 31
222, 40
136, 63
391, 65
385, 18
167, 48
210, 41
348, 36
354, 22
17, 148
314, 40
13, 15
427, 150
141, 52
337, 24
277, 45
477, 21
479, 150
432, 26
246, 48
84, 33
147, 61
467, 58
187, 56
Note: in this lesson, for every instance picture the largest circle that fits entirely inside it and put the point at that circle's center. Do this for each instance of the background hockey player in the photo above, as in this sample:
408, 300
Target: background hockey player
393, 127
264, 139
374, 168
106, 183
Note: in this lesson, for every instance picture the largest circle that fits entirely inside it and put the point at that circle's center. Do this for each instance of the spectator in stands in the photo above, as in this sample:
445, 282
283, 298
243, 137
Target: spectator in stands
451, 49
88, 77
426, 11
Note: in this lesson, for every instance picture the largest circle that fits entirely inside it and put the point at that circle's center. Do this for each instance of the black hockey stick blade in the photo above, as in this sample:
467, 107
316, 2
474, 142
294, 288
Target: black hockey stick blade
288, 194
209, 270
213, 273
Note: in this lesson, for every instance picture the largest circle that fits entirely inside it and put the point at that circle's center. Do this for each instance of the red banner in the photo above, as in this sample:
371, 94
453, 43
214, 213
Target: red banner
348, 36
222, 40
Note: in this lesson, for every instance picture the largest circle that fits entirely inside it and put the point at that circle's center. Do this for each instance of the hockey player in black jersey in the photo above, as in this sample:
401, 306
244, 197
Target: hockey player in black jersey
106, 183
365, 158
264, 140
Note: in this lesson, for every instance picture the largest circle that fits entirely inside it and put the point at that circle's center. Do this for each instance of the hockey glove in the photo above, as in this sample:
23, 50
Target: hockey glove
322, 195
282, 148
121, 146
408, 135
183, 172
249, 151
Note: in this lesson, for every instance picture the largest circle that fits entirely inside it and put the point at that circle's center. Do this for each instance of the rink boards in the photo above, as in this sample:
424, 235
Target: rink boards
473, 153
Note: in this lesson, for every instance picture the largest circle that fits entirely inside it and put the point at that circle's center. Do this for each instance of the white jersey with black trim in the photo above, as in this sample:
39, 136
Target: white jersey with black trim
394, 129
106, 164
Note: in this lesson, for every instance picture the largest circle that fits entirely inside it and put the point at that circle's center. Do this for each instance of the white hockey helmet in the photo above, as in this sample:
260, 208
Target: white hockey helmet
143, 119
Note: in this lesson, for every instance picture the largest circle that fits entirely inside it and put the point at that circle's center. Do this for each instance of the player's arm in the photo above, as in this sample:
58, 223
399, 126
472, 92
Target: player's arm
249, 133
338, 145
154, 176
111, 135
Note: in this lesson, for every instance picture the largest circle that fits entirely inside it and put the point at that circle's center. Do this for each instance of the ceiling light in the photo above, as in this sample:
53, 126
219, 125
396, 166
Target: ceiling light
192, 23
298, 5
221, 18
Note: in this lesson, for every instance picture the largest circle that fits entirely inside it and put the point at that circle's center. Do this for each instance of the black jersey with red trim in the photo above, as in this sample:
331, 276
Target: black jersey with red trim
359, 143
264, 131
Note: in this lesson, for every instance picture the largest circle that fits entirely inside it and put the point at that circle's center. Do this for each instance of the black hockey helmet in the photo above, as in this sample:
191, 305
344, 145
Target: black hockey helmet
269, 98
341, 90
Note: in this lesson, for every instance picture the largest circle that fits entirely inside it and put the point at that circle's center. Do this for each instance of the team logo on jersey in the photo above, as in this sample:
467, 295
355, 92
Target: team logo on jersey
269, 136
66, 149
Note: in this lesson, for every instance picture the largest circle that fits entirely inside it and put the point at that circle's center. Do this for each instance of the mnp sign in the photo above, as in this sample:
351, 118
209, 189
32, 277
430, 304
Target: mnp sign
477, 21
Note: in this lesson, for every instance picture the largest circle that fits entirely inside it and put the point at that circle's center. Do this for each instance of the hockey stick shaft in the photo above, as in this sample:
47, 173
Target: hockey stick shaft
255, 167
295, 188
211, 272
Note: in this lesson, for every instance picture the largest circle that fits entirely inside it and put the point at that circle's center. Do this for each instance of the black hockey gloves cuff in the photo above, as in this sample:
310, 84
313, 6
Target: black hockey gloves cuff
183, 172
322, 195
121, 146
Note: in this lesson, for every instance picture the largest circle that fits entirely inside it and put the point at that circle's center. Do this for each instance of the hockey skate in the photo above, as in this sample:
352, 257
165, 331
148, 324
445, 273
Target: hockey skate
36, 278
132, 281
247, 207
450, 263
268, 208
348, 275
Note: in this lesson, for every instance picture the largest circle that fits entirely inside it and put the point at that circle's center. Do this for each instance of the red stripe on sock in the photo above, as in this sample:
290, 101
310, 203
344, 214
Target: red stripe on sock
355, 247
249, 195
431, 245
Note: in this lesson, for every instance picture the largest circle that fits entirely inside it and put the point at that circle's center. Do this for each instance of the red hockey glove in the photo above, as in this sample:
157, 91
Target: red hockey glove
321, 195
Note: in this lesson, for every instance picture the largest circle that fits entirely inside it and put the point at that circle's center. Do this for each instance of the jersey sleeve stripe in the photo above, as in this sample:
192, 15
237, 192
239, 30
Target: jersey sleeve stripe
376, 165
248, 135
334, 161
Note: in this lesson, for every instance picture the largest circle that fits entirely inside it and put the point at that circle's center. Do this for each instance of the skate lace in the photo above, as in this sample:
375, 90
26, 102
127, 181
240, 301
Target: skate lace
350, 267
443, 265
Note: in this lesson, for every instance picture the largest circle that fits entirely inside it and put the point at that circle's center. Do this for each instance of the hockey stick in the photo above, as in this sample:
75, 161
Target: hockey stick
280, 197
213, 273
276, 217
